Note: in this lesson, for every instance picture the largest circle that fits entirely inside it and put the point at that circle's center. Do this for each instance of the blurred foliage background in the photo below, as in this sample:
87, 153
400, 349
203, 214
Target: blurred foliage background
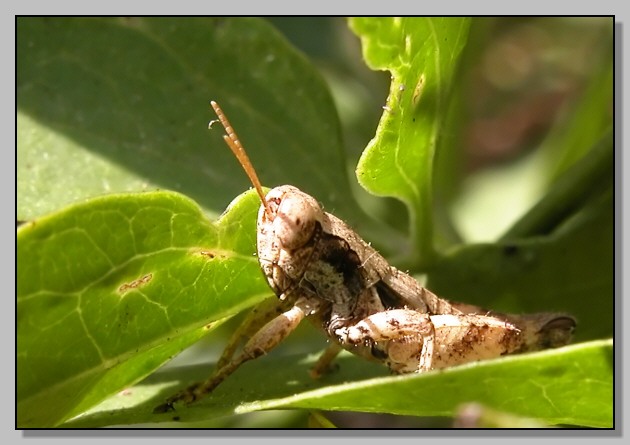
520, 78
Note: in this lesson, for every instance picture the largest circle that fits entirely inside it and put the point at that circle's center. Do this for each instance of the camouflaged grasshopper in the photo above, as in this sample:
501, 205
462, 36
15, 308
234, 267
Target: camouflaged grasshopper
321, 269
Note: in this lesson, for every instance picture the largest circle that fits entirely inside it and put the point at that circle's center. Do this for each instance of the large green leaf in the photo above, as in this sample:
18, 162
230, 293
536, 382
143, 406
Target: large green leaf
111, 289
572, 385
122, 104
559, 256
422, 55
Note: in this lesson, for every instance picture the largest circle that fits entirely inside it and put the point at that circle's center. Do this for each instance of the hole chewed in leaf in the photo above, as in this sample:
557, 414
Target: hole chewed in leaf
208, 254
211, 254
417, 92
135, 283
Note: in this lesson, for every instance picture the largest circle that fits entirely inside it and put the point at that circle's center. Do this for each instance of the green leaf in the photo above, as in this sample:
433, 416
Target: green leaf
587, 177
109, 290
584, 120
422, 55
571, 385
571, 270
122, 104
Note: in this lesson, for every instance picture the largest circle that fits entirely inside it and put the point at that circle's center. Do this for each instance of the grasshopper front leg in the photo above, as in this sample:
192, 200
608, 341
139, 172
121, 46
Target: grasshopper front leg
260, 315
263, 341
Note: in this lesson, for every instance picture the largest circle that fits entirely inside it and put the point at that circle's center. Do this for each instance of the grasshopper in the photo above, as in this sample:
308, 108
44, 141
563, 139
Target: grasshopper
320, 269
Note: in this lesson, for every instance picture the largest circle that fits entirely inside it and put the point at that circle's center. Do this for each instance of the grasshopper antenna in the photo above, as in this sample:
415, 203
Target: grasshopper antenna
231, 139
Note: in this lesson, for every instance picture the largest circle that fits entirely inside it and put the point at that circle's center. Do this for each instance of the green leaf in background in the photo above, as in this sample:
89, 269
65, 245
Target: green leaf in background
584, 120
111, 289
589, 178
122, 104
422, 55
571, 385
571, 270
558, 257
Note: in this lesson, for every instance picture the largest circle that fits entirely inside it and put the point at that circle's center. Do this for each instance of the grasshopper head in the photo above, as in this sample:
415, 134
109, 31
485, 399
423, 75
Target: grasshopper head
291, 216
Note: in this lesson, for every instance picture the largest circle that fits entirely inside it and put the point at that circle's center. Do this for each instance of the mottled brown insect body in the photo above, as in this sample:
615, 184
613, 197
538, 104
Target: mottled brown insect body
321, 269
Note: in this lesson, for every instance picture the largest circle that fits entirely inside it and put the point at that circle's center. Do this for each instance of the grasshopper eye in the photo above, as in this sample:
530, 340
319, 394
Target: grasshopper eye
295, 221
